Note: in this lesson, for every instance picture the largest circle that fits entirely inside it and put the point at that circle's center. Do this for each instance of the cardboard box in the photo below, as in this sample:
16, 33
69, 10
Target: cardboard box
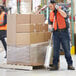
36, 27
33, 55
43, 27
37, 19
11, 33
18, 19
47, 36
22, 39
23, 18
26, 38
46, 27
27, 28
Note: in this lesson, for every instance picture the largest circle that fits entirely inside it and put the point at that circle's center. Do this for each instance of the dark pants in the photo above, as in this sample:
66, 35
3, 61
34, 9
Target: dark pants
3, 35
63, 38
4, 44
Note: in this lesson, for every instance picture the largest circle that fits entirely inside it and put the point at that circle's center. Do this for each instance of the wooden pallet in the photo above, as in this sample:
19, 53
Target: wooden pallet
15, 67
20, 67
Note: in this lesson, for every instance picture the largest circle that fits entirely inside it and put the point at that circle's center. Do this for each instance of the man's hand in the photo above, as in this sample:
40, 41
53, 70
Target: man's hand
63, 13
51, 28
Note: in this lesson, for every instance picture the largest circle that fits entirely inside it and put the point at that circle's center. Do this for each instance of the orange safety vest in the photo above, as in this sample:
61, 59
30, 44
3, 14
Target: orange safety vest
3, 27
60, 20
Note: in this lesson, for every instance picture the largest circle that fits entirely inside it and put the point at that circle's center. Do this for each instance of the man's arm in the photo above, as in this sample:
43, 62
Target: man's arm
62, 12
50, 25
5, 20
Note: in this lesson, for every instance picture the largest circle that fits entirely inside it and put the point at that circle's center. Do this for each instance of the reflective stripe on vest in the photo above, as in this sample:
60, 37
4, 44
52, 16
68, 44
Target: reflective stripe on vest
4, 27
60, 20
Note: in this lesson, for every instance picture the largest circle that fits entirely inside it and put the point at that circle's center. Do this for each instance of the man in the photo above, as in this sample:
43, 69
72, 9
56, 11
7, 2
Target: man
58, 24
3, 27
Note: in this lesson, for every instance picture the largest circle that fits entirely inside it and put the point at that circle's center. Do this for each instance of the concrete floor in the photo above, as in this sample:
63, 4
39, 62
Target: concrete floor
61, 72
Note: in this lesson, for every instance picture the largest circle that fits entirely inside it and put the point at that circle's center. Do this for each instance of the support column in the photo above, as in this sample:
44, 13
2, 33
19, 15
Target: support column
72, 21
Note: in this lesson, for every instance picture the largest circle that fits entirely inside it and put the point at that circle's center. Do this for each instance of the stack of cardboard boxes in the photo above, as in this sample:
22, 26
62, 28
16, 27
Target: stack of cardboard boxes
27, 38
27, 29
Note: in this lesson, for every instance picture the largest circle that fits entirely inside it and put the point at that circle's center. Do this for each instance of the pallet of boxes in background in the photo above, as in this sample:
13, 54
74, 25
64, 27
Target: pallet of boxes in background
27, 39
